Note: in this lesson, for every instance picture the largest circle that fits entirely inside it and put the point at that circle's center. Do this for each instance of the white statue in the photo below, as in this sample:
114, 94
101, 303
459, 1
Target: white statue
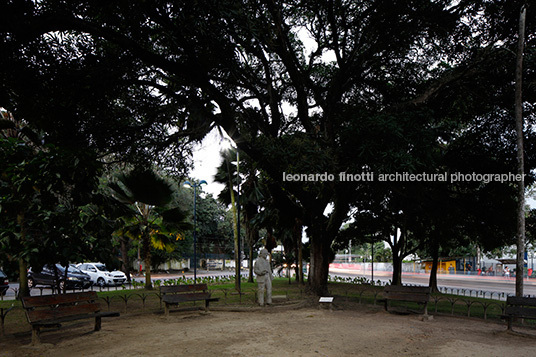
264, 277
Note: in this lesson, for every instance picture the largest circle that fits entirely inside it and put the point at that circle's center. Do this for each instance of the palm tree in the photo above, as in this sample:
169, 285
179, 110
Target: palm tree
250, 197
226, 176
154, 220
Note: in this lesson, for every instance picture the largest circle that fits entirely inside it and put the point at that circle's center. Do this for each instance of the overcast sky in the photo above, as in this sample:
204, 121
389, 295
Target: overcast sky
206, 160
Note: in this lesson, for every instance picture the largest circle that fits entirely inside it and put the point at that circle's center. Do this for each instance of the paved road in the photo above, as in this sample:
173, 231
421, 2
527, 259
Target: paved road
496, 284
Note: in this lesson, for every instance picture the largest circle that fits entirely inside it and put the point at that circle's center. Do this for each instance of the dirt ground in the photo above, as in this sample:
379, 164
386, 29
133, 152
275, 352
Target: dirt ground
295, 330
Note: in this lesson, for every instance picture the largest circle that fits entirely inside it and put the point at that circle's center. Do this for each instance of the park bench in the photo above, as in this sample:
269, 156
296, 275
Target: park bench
52, 310
176, 294
519, 308
418, 294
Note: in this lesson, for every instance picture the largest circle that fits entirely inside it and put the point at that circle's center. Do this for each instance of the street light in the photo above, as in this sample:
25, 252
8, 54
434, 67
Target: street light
238, 220
195, 186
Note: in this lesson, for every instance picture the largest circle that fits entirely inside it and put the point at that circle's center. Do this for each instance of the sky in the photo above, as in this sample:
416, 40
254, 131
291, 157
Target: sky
206, 158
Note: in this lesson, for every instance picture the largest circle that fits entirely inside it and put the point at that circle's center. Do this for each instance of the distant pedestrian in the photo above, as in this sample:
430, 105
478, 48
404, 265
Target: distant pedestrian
468, 268
506, 272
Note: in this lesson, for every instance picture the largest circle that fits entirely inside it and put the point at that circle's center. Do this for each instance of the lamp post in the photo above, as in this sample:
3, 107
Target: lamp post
195, 186
238, 220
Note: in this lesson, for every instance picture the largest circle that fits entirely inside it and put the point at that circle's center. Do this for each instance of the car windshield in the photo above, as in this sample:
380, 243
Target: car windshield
59, 267
101, 267
74, 269
71, 269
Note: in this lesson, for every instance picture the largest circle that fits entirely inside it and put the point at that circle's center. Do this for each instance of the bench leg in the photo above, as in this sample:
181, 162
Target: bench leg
97, 323
35, 335
206, 305
509, 322
425, 316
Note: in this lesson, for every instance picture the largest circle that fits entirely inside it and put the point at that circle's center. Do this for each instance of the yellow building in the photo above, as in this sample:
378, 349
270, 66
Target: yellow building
443, 266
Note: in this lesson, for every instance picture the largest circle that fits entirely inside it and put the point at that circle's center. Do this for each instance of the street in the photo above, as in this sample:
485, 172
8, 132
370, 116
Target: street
496, 284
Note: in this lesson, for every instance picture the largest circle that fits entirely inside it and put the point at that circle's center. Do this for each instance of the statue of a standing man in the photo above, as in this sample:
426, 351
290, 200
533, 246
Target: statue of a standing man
264, 277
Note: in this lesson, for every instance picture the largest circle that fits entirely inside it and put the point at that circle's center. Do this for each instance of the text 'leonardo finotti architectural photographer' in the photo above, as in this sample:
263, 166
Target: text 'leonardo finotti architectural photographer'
402, 177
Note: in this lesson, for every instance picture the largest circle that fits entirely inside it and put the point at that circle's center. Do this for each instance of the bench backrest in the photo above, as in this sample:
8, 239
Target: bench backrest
407, 293
51, 307
521, 306
178, 289
521, 301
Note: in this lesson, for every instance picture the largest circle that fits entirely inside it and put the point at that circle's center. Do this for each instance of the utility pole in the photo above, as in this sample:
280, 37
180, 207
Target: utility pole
520, 259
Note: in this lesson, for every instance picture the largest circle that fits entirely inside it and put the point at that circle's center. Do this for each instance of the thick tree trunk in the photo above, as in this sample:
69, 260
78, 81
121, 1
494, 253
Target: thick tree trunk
397, 269
396, 245
23, 279
432, 283
320, 255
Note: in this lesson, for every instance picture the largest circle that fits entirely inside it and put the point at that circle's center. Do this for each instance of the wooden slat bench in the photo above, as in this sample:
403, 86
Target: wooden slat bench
175, 294
418, 294
52, 310
520, 308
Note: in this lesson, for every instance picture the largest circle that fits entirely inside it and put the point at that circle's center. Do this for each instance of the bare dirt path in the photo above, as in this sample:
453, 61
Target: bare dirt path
354, 331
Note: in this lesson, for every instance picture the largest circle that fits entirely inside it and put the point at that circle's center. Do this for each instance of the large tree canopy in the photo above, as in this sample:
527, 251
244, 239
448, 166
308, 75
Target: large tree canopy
301, 86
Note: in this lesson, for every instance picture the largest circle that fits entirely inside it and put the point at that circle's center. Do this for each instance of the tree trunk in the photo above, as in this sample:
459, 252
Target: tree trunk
319, 270
235, 228
23, 279
297, 235
250, 263
397, 269
57, 280
65, 278
147, 260
520, 162
23, 265
252, 235
300, 261
396, 245
125, 265
432, 283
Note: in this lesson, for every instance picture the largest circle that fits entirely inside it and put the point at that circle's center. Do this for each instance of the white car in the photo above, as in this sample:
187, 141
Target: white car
101, 276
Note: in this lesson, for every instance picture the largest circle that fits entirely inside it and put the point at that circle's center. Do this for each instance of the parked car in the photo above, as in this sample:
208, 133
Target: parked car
4, 283
76, 279
101, 276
